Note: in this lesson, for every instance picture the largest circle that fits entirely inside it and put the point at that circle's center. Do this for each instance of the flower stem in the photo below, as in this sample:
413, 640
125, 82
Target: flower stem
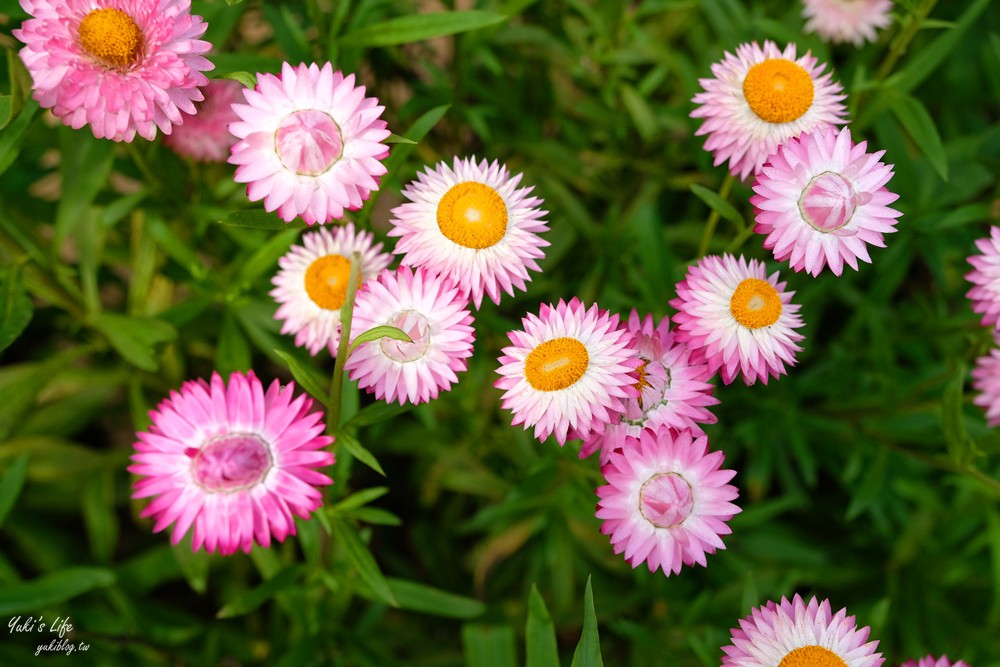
713, 217
346, 315
902, 41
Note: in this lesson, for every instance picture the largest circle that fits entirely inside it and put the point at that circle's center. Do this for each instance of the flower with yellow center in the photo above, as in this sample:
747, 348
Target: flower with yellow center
800, 634
473, 224
739, 318
312, 284
761, 97
111, 36
568, 371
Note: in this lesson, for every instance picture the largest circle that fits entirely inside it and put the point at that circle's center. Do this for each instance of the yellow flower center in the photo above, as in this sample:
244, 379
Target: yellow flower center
755, 303
778, 90
111, 36
556, 364
472, 215
643, 382
812, 656
326, 281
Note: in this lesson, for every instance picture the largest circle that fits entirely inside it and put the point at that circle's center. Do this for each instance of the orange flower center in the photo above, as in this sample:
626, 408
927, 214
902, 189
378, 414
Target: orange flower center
755, 303
326, 281
111, 36
778, 90
643, 382
812, 656
556, 364
472, 215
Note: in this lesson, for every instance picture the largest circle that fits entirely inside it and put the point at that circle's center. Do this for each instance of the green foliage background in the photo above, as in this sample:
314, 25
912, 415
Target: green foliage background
866, 475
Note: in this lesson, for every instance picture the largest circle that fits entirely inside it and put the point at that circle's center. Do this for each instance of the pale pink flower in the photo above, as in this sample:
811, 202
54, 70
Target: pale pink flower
931, 661
986, 380
310, 143
821, 199
121, 66
761, 97
234, 462
985, 277
667, 500
205, 135
854, 21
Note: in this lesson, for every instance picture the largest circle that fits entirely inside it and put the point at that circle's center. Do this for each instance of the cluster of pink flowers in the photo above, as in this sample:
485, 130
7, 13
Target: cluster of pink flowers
985, 298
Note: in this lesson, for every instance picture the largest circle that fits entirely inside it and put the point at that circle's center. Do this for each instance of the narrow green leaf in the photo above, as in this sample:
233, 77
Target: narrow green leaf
377, 412
15, 307
434, 601
135, 338
718, 204
418, 27
99, 515
396, 139
638, 109
361, 559
872, 485
588, 651
52, 589
233, 350
920, 126
259, 220
415, 133
489, 645
360, 498
246, 78
308, 378
955, 438
255, 597
265, 258
193, 564
375, 333
540, 634
177, 249
21, 383
85, 165
358, 451
6, 110
11, 485
10, 140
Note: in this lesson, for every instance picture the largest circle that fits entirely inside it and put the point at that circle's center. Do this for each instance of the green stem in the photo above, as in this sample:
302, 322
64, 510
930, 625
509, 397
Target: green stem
51, 290
346, 315
899, 45
713, 217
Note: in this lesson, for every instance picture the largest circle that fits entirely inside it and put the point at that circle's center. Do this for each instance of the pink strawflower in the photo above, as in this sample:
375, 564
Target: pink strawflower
931, 661
667, 501
673, 391
796, 634
985, 296
121, 66
852, 21
312, 283
310, 143
570, 369
821, 198
761, 97
234, 462
434, 313
738, 318
205, 135
473, 224
986, 380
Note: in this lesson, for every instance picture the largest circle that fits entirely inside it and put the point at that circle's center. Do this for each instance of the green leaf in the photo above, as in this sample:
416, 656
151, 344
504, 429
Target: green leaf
193, 564
955, 438
21, 383
177, 249
376, 333
15, 308
265, 258
489, 645
718, 204
233, 350
920, 126
259, 220
396, 139
638, 109
417, 132
10, 140
135, 337
358, 451
246, 78
11, 485
377, 412
361, 559
540, 634
85, 165
52, 589
6, 110
588, 651
307, 377
99, 515
418, 27
418, 597
360, 498
255, 597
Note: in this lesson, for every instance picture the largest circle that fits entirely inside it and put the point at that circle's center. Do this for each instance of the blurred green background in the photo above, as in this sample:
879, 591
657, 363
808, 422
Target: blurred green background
865, 475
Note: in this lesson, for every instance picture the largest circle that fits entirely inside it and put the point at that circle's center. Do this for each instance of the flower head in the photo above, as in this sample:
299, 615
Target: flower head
821, 199
762, 97
312, 283
434, 313
986, 380
667, 501
310, 143
121, 66
852, 21
985, 276
233, 461
672, 388
569, 369
473, 224
800, 634
205, 136
739, 318
931, 661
